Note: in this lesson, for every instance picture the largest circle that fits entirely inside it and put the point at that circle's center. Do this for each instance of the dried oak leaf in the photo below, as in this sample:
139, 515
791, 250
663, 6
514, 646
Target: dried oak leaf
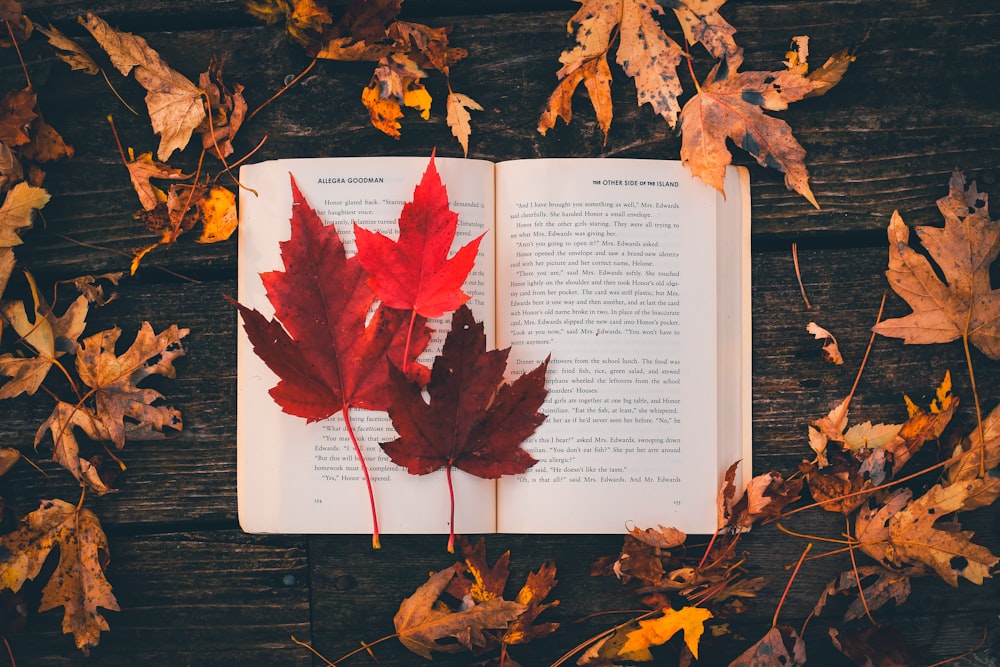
766, 496
48, 337
113, 379
90, 287
645, 53
475, 421
978, 452
421, 623
46, 144
780, 646
963, 305
63, 421
415, 272
878, 586
78, 583
476, 578
175, 104
17, 209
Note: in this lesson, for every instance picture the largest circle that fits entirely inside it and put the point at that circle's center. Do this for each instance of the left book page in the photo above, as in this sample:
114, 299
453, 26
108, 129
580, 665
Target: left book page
294, 477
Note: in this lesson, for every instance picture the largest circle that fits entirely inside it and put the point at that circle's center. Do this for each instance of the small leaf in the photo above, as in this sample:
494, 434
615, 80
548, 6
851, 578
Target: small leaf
458, 118
658, 630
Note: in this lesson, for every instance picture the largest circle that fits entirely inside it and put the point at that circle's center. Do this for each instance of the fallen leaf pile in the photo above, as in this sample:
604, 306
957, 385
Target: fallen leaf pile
178, 109
728, 104
463, 608
98, 392
402, 51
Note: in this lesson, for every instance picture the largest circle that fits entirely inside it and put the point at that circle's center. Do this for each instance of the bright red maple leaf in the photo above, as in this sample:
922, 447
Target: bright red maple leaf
415, 273
327, 359
475, 421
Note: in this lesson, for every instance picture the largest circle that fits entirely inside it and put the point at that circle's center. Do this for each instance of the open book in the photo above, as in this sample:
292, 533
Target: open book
631, 274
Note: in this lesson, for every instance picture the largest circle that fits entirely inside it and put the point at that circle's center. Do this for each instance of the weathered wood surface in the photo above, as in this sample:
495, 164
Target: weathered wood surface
920, 101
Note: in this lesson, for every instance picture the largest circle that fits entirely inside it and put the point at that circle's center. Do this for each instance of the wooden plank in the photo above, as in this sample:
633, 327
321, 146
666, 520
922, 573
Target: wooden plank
199, 598
910, 110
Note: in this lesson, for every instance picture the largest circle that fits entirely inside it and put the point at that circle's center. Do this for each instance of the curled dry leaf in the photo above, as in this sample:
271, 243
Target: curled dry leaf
879, 585
8, 457
964, 304
227, 108
831, 351
78, 583
62, 425
114, 379
175, 104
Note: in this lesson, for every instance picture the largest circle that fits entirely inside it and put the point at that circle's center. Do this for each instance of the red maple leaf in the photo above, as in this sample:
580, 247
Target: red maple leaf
415, 273
327, 359
475, 421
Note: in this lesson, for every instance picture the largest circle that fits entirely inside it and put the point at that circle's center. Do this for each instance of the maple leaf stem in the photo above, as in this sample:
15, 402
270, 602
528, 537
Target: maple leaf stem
451, 520
975, 399
376, 544
406, 356
857, 576
10, 652
687, 54
788, 586
283, 89
17, 48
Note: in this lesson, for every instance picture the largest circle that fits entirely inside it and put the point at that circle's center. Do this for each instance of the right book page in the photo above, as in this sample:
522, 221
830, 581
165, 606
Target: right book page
634, 277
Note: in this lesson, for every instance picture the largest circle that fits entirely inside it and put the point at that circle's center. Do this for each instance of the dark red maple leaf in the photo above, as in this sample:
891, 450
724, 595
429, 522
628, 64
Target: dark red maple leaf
327, 358
475, 421
415, 273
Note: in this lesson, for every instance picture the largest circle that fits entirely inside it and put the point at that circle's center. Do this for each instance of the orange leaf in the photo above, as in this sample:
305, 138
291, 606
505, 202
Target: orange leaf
458, 118
658, 630
218, 215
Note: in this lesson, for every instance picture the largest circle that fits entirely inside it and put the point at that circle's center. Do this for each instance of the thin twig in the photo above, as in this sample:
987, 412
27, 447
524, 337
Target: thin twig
798, 274
282, 91
774, 621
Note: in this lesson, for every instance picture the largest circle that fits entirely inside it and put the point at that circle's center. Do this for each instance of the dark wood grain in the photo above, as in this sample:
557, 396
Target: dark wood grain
920, 101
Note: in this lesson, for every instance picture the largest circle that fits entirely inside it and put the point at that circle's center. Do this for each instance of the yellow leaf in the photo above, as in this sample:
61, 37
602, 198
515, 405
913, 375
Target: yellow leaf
385, 114
16, 211
416, 97
218, 214
658, 630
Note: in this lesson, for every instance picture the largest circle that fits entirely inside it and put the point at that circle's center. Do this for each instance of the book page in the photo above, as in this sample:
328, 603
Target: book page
305, 478
609, 266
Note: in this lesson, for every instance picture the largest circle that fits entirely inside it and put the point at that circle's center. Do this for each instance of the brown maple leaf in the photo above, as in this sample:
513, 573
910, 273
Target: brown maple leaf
175, 104
962, 305
46, 144
731, 104
780, 646
78, 583
879, 585
113, 379
62, 423
536, 588
421, 624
